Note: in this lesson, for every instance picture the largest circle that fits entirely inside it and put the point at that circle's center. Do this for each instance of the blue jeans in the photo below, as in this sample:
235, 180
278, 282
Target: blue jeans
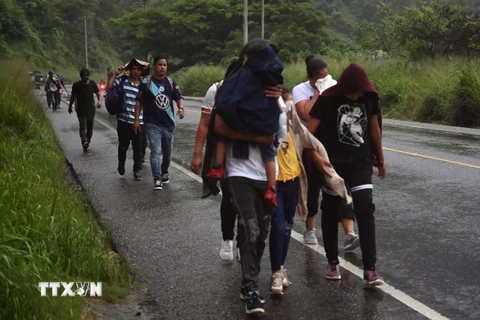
161, 141
288, 194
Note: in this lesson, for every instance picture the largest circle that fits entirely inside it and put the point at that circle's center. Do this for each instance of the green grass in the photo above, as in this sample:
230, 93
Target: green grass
47, 229
445, 91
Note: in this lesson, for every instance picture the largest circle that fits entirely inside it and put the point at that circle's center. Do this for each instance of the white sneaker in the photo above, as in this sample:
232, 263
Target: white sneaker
226, 252
351, 241
309, 236
277, 283
286, 283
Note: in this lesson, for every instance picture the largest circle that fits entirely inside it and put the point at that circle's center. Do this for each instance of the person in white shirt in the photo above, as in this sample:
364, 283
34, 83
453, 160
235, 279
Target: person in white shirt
227, 214
305, 95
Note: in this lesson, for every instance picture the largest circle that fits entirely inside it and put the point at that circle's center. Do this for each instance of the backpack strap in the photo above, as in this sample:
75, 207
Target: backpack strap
171, 82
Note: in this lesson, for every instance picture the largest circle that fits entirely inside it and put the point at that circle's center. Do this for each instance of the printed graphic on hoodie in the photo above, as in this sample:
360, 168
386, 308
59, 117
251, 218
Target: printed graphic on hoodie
352, 123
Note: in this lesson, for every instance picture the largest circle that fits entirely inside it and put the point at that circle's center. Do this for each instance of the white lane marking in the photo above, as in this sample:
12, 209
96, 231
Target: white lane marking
391, 290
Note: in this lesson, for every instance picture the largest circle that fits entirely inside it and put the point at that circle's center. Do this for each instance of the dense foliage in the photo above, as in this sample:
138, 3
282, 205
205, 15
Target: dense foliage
51, 33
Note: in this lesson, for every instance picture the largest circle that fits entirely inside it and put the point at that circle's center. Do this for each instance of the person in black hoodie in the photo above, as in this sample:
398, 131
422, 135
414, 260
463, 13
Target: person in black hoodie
347, 120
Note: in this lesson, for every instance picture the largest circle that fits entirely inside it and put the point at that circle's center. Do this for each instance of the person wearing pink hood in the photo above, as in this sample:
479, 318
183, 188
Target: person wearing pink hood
345, 118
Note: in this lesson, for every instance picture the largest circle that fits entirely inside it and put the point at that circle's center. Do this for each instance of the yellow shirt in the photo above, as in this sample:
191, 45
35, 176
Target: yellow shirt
288, 163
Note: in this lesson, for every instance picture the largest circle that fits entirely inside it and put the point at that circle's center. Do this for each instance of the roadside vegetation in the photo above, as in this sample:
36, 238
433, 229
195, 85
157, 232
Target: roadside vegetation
48, 231
443, 90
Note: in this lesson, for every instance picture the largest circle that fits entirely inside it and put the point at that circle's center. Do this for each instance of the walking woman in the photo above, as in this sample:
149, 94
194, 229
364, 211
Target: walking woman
345, 119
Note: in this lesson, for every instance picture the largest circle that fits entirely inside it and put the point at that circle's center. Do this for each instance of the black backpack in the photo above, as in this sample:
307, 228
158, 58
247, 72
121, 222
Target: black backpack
114, 98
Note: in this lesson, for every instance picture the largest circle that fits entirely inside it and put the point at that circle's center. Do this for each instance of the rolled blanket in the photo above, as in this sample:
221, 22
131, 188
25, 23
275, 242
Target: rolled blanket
304, 140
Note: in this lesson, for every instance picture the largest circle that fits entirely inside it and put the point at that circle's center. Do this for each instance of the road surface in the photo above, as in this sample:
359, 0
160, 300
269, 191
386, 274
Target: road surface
427, 215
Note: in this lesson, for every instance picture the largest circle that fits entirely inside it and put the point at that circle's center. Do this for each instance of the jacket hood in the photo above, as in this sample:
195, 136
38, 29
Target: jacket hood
354, 79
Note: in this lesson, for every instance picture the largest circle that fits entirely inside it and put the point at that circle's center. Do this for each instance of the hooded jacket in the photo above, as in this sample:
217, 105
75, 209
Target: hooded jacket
354, 79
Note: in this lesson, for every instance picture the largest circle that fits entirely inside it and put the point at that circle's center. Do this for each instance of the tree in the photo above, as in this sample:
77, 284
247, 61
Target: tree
209, 31
434, 28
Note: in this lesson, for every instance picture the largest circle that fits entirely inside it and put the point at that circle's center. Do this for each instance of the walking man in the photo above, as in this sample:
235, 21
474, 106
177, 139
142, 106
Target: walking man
128, 86
156, 97
82, 95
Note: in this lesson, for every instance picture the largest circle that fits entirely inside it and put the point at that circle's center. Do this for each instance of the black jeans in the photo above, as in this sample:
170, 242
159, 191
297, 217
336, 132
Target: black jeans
125, 135
144, 141
359, 180
254, 217
315, 181
227, 213
86, 128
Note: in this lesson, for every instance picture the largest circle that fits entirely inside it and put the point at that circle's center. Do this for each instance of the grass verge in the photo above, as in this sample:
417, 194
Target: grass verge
47, 229
444, 91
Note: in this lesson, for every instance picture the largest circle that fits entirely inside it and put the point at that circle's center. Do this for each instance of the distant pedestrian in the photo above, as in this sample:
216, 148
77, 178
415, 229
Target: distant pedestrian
52, 88
82, 95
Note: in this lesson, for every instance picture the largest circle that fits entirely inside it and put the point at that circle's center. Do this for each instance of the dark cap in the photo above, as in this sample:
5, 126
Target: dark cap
84, 73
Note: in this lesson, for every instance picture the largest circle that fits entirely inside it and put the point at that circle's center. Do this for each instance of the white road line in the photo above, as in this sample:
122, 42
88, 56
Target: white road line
391, 290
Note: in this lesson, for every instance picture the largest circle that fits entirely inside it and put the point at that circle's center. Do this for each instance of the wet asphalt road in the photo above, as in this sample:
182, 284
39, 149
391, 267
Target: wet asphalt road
427, 231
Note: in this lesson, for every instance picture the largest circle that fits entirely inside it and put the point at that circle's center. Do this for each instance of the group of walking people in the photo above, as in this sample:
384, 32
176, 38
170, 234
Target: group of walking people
146, 114
325, 136
272, 152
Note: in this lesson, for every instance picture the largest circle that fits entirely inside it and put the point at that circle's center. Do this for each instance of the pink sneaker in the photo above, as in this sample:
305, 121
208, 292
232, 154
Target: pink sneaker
372, 278
333, 271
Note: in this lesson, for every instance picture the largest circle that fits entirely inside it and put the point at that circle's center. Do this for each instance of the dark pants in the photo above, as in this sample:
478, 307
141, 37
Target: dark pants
359, 181
227, 213
254, 217
288, 194
86, 128
58, 97
315, 181
125, 135
52, 99
144, 142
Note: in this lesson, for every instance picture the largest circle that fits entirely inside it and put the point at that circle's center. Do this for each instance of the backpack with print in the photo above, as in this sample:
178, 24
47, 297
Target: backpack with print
114, 98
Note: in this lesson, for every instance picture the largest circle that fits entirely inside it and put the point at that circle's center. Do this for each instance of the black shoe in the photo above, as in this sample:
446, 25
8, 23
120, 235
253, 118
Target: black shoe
244, 295
121, 168
157, 184
165, 178
137, 175
254, 303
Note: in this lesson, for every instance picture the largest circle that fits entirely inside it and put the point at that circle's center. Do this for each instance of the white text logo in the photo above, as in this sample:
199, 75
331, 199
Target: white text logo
71, 289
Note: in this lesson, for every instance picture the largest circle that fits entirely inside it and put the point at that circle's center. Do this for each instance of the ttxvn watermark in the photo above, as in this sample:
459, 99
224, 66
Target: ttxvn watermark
70, 289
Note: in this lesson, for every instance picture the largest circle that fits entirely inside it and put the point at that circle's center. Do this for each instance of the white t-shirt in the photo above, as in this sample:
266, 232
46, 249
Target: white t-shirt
303, 91
209, 99
251, 168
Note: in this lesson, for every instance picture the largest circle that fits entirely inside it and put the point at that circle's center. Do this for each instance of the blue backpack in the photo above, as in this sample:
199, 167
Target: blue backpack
114, 98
